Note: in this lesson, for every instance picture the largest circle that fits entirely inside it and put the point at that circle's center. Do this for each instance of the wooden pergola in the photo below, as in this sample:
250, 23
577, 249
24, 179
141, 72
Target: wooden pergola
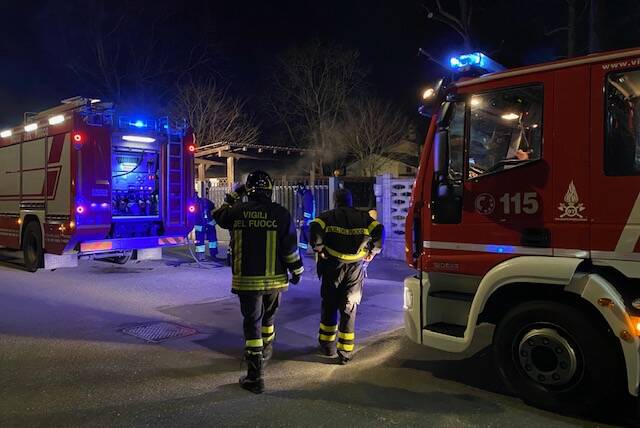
226, 153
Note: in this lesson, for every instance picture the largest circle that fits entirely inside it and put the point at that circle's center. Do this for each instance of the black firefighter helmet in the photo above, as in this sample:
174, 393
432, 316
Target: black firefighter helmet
259, 182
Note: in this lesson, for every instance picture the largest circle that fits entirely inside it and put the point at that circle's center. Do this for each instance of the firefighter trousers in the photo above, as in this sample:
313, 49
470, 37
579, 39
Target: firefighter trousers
206, 232
303, 242
259, 312
341, 292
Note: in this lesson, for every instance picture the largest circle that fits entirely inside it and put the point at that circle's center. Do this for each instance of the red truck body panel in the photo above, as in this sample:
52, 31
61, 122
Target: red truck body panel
62, 175
591, 225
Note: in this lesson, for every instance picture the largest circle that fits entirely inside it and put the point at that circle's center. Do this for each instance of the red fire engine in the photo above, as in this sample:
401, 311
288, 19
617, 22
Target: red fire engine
75, 181
525, 215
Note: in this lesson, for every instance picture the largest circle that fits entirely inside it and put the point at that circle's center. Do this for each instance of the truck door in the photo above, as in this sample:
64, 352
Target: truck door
615, 161
504, 175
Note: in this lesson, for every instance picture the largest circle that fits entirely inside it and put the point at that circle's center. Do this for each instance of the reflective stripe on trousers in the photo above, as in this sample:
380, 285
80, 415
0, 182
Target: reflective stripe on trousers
268, 333
327, 333
346, 341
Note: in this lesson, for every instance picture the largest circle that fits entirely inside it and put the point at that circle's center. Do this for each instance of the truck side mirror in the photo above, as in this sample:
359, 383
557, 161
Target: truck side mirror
446, 195
446, 204
441, 155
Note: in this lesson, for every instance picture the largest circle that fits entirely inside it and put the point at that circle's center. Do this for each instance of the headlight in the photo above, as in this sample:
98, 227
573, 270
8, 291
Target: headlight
408, 299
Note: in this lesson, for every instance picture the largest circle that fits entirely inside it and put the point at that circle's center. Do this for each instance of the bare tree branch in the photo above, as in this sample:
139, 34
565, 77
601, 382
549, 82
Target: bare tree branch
370, 132
556, 30
311, 89
128, 60
460, 24
214, 114
432, 58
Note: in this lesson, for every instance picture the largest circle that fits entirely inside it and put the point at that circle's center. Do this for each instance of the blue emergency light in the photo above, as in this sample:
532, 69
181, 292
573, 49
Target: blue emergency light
476, 60
136, 122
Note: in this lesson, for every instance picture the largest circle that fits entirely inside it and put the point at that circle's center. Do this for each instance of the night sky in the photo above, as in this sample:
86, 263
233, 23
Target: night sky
40, 40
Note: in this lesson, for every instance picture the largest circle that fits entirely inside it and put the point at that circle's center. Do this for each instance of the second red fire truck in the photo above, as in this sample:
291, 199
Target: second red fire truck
525, 215
78, 181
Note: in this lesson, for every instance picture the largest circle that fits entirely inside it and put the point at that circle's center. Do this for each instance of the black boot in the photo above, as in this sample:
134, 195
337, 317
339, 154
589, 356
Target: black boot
327, 349
344, 357
253, 381
267, 352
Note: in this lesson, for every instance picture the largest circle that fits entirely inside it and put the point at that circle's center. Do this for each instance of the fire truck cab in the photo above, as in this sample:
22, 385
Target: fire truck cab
79, 181
525, 215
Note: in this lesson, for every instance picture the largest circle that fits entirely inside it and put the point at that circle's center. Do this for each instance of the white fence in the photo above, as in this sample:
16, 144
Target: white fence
392, 200
392, 203
284, 193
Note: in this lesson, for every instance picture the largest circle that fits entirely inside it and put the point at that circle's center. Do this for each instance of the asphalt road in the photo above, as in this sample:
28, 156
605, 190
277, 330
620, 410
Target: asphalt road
64, 360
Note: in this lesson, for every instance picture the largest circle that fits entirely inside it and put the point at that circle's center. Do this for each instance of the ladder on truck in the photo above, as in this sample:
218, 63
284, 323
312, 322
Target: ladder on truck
175, 177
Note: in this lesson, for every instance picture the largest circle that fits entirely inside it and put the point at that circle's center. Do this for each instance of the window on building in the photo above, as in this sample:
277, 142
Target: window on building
505, 129
622, 125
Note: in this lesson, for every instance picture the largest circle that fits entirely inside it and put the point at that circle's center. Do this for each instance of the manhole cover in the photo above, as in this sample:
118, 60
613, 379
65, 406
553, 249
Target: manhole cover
156, 332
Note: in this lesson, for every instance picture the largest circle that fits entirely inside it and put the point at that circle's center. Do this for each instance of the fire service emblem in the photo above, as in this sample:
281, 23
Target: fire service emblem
485, 204
571, 207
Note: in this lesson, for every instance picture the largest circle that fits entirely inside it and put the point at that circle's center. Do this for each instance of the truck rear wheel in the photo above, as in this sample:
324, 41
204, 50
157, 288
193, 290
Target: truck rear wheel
32, 247
556, 357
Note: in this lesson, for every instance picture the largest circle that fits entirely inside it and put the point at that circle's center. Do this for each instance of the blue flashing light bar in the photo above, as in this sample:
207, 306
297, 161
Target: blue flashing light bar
136, 122
477, 60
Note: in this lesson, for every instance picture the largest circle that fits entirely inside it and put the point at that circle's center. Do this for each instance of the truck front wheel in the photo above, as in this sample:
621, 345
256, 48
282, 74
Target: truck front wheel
557, 357
32, 247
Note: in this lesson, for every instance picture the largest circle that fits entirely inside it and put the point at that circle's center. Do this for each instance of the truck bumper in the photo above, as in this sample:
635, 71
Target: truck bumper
124, 244
412, 308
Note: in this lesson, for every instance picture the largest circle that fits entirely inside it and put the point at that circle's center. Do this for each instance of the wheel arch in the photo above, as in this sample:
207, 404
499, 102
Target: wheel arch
544, 275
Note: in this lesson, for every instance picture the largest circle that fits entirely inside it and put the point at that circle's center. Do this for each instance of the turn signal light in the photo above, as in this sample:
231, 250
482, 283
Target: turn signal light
191, 148
80, 209
192, 208
635, 322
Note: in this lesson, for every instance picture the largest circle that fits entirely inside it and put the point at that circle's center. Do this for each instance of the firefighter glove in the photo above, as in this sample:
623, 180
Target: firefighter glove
231, 198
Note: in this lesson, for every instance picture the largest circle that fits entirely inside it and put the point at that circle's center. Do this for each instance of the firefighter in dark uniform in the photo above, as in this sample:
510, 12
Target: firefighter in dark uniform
205, 229
305, 213
263, 252
344, 239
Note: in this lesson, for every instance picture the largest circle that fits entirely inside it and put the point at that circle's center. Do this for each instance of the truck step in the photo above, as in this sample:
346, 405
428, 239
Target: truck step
448, 329
452, 295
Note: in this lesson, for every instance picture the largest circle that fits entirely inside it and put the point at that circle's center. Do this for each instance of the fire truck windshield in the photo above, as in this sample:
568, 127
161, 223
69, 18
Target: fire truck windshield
505, 129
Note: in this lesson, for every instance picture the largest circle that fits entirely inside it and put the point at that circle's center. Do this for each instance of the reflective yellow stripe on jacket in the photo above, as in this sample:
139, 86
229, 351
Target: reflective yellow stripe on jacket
270, 269
259, 283
237, 251
320, 222
343, 231
346, 257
